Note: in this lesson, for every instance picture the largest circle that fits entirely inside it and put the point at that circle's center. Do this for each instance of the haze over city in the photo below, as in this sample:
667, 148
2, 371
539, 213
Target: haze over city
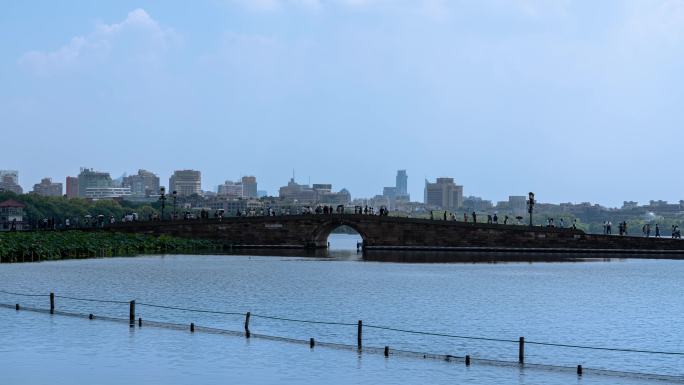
577, 101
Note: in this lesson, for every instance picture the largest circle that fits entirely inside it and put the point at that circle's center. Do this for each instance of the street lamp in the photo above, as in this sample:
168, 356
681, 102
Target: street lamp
175, 195
530, 206
162, 199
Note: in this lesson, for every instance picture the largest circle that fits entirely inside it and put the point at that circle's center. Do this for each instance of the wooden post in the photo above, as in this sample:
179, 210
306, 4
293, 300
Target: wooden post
467, 360
52, 303
131, 313
247, 333
521, 350
90, 316
311, 343
16, 306
359, 334
579, 370
386, 351
192, 327
140, 322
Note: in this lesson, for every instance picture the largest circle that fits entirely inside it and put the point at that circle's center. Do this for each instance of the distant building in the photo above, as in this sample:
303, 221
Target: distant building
477, 204
249, 187
262, 193
444, 193
299, 192
72, 187
47, 188
186, 182
402, 183
142, 184
91, 179
11, 215
517, 204
325, 195
107, 192
629, 205
9, 181
231, 189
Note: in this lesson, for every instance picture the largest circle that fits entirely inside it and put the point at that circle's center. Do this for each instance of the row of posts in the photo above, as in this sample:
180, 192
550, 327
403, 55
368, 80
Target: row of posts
248, 334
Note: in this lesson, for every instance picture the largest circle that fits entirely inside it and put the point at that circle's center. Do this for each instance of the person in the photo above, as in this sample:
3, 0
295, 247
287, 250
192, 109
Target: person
465, 217
657, 231
505, 219
474, 217
445, 215
489, 218
562, 223
648, 230
432, 216
496, 219
574, 224
609, 228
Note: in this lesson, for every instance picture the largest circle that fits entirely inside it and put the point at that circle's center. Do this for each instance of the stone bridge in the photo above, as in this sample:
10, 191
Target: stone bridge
380, 232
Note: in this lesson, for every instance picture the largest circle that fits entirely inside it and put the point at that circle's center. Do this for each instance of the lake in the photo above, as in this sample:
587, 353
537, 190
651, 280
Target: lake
631, 304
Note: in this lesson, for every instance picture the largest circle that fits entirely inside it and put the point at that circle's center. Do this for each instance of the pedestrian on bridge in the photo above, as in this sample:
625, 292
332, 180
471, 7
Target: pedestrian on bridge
474, 217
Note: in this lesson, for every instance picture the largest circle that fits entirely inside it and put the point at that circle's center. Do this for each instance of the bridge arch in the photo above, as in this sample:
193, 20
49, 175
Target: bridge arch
323, 231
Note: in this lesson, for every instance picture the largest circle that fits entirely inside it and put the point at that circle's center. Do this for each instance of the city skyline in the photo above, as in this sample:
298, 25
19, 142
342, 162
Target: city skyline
564, 99
380, 191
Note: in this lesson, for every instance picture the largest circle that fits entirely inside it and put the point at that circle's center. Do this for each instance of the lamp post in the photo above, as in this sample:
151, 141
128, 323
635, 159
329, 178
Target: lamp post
175, 195
530, 206
162, 199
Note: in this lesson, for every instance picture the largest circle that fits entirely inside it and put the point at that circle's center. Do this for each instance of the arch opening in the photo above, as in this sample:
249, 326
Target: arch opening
343, 238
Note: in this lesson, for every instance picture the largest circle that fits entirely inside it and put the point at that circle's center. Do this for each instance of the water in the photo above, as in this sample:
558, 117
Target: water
621, 303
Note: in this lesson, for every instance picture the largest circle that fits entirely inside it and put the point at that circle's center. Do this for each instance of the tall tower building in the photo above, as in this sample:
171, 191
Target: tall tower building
444, 194
249, 187
402, 183
186, 182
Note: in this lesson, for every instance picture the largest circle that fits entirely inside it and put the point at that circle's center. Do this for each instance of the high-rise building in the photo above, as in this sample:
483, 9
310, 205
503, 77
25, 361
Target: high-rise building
402, 183
517, 204
9, 181
47, 188
144, 183
89, 178
444, 193
71, 187
186, 182
231, 189
249, 187
299, 192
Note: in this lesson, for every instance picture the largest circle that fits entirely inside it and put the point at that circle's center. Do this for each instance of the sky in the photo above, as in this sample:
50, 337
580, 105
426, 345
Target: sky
574, 100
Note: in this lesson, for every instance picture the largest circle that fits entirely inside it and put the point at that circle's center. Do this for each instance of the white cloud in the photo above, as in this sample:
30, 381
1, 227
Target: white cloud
142, 37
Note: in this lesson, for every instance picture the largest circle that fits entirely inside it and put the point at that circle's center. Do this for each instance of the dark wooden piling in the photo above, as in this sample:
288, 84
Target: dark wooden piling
16, 306
247, 333
192, 327
131, 313
579, 370
386, 351
90, 316
521, 350
359, 335
467, 360
140, 322
311, 343
52, 303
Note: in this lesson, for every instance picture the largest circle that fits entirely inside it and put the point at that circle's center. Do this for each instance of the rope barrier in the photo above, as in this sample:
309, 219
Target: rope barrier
604, 348
378, 327
304, 321
438, 334
190, 310
24, 295
91, 300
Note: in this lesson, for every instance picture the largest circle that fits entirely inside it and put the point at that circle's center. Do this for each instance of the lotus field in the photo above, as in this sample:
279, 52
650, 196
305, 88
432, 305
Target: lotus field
54, 245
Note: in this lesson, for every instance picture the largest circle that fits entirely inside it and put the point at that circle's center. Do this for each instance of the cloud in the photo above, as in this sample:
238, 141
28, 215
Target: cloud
139, 35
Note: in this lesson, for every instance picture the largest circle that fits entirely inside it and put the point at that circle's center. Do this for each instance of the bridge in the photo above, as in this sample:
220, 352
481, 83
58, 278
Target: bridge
400, 233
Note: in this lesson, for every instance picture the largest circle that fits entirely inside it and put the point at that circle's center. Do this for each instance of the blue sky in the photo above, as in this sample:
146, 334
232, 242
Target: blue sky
575, 100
